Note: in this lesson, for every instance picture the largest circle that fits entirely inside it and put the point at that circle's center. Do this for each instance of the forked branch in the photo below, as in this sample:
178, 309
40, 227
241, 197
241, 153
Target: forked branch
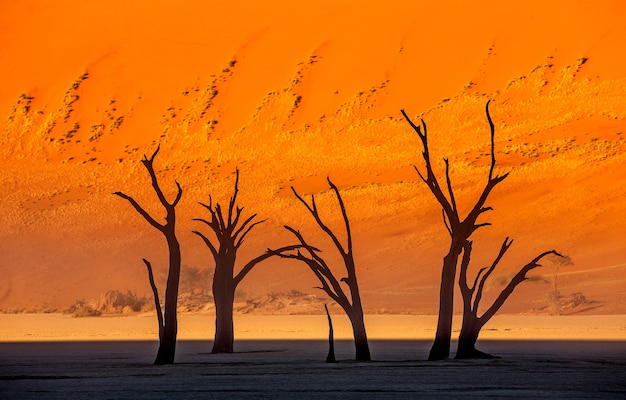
431, 179
492, 181
503, 249
318, 266
454, 223
517, 279
148, 164
315, 213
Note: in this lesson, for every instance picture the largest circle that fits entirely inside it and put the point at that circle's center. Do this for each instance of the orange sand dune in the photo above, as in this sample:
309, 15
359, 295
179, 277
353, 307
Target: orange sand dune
290, 93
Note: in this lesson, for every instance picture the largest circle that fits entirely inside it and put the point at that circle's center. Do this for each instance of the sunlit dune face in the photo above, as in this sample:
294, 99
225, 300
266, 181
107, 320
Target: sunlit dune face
291, 94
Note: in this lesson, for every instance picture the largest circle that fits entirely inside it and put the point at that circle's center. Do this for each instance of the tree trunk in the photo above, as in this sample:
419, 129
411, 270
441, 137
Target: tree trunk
167, 340
467, 341
441, 347
360, 336
167, 347
224, 329
472, 324
224, 297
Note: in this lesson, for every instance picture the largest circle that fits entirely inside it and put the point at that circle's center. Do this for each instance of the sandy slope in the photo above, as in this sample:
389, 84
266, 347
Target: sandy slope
291, 93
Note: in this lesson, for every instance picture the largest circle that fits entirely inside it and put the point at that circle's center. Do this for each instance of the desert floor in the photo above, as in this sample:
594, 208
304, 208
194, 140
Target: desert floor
199, 326
296, 369
57, 356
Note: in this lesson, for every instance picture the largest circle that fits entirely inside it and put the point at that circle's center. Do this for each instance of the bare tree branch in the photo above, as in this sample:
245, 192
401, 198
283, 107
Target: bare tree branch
344, 215
207, 242
211, 224
157, 302
478, 275
503, 249
517, 279
449, 183
243, 226
220, 218
147, 162
491, 181
430, 179
421, 176
313, 210
312, 250
445, 222
234, 223
467, 252
252, 263
317, 263
233, 199
492, 129
141, 211
179, 194
317, 269
245, 233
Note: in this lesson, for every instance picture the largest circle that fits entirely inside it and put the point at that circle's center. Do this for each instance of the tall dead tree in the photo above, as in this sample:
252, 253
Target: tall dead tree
460, 230
351, 302
168, 323
230, 231
472, 323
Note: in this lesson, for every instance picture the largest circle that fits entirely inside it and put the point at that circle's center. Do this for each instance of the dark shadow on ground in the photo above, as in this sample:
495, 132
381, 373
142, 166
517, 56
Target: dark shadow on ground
280, 369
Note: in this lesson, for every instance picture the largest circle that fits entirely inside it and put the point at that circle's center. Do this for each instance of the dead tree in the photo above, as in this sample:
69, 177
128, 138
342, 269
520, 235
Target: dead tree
330, 358
460, 230
472, 323
351, 303
168, 324
230, 231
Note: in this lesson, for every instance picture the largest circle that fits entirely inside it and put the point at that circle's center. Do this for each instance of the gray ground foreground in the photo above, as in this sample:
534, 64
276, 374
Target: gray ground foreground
296, 369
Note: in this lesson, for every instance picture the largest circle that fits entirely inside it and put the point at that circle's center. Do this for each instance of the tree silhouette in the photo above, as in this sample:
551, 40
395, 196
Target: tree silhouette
460, 229
230, 231
351, 303
168, 323
472, 323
